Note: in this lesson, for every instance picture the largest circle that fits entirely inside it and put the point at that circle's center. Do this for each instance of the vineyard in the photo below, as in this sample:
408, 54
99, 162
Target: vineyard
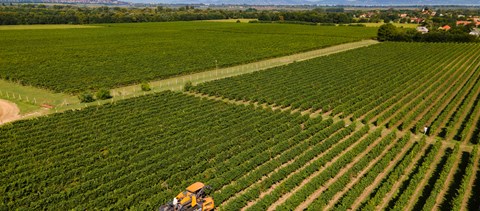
391, 126
111, 55
138, 153
404, 86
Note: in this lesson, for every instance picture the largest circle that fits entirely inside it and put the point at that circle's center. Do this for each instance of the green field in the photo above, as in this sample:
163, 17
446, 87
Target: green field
72, 60
339, 128
138, 153
400, 85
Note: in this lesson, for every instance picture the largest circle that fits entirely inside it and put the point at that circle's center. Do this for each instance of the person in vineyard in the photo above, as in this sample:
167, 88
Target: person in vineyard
425, 130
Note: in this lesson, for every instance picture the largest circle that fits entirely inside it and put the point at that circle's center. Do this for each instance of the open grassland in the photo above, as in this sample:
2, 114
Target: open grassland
406, 86
114, 55
138, 153
30, 99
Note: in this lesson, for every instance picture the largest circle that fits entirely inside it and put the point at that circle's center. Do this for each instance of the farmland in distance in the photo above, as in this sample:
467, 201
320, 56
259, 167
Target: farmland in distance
74, 60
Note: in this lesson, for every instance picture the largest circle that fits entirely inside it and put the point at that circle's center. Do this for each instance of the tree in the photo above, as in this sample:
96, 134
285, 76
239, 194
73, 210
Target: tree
103, 94
387, 32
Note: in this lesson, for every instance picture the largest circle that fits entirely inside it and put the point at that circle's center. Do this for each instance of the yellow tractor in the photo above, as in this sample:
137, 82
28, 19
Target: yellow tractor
192, 199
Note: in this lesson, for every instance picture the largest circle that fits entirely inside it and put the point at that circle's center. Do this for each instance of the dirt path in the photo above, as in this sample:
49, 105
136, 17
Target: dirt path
431, 168
404, 176
8, 111
448, 180
317, 193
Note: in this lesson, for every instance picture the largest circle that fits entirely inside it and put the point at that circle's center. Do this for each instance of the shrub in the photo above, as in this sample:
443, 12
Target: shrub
145, 86
103, 94
86, 97
188, 86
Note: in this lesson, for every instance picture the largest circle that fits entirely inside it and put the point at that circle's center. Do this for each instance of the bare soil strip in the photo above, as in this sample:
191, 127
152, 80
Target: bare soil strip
446, 185
8, 111
468, 192
365, 171
317, 193
431, 168
404, 176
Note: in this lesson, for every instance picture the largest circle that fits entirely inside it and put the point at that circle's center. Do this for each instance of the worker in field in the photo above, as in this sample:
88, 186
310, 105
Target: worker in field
425, 130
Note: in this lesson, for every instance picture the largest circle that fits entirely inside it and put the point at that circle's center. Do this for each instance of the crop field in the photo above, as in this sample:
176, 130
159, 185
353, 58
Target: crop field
343, 130
139, 152
78, 59
405, 86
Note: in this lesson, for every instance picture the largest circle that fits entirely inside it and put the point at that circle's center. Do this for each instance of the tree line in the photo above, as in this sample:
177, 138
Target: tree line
68, 14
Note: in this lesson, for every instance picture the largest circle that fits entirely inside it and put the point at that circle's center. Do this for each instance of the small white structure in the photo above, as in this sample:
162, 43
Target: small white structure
425, 130
422, 29
475, 32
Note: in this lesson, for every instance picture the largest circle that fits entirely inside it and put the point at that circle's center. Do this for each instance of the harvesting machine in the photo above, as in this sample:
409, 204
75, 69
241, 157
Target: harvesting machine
192, 199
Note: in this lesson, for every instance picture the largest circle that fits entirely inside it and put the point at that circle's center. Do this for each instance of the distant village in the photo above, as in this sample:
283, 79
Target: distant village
429, 18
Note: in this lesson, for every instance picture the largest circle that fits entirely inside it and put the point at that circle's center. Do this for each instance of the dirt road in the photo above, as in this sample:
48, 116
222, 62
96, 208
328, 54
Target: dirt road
8, 111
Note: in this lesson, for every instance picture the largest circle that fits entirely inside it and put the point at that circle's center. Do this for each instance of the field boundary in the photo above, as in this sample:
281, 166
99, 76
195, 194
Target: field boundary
68, 102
